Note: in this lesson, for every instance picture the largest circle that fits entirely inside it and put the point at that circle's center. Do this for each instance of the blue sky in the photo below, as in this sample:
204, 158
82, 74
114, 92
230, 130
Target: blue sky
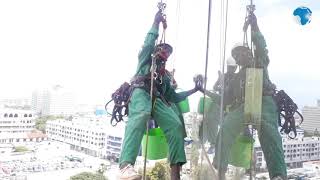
91, 47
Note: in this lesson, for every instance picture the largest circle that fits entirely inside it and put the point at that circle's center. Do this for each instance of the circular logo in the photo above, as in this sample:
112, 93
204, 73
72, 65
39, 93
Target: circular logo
302, 15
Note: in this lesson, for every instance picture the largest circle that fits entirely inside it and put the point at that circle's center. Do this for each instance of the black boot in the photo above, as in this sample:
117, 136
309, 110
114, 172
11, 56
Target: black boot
175, 172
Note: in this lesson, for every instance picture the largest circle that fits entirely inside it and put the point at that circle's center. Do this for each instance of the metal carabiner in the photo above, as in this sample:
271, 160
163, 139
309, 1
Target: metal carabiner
162, 6
155, 75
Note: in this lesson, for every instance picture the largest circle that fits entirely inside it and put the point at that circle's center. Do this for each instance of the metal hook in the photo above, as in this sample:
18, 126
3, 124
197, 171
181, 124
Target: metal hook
155, 75
162, 6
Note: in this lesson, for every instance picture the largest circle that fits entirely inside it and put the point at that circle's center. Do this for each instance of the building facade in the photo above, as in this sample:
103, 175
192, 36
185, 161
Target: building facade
54, 101
95, 137
296, 151
311, 116
18, 126
16, 121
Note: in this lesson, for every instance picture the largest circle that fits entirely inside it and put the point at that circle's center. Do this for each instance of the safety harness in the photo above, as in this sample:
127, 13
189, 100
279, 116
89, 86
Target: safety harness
121, 98
287, 109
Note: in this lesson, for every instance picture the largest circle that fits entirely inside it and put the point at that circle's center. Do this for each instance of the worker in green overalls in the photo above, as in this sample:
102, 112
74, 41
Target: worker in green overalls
142, 107
233, 124
209, 126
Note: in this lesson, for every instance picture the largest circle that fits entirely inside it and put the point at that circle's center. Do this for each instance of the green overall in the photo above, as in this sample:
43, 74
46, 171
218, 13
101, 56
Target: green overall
140, 112
209, 126
233, 124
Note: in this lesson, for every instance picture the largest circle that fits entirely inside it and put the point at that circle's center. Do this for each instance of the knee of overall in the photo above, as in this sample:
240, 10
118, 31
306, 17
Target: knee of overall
138, 120
176, 130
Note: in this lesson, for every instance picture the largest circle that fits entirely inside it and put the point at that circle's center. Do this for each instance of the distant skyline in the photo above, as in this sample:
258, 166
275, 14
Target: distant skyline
91, 47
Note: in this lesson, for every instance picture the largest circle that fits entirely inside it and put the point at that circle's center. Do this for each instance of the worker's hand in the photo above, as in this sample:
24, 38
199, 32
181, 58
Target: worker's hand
250, 20
198, 80
160, 17
253, 20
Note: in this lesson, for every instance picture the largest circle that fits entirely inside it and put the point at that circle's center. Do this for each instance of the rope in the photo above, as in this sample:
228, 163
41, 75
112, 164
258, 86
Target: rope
224, 57
223, 38
161, 7
205, 82
173, 59
153, 64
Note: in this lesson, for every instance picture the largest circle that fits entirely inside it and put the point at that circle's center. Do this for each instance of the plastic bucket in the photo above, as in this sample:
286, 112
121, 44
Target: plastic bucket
241, 152
208, 102
184, 106
157, 145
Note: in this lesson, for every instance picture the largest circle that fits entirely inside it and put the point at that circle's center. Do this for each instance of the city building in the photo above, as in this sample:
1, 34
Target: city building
17, 126
93, 136
311, 116
296, 151
16, 121
54, 101
115, 137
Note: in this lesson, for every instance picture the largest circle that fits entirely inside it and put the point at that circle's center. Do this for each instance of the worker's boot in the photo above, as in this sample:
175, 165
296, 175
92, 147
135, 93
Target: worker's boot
127, 172
175, 172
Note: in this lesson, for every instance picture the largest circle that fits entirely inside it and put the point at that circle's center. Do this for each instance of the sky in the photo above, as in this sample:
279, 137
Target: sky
91, 47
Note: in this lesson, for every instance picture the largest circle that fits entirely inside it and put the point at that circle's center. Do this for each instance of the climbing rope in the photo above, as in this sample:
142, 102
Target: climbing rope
205, 84
153, 76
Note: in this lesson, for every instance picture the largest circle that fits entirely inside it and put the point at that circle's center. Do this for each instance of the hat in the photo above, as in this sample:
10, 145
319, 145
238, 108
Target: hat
166, 46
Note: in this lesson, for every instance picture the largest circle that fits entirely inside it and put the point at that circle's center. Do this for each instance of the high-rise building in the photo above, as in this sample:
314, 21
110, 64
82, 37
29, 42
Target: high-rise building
54, 101
311, 116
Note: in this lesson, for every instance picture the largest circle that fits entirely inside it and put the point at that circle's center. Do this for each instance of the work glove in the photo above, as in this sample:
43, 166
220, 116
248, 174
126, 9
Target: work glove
160, 17
251, 19
199, 81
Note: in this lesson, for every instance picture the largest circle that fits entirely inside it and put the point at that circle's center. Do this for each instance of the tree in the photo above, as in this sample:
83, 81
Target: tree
88, 176
41, 122
161, 171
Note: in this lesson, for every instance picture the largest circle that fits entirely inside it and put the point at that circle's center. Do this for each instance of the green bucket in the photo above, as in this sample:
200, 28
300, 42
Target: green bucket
241, 152
184, 106
157, 145
208, 103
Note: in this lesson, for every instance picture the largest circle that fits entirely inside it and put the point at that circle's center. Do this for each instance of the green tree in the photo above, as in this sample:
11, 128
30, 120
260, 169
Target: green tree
41, 122
88, 176
161, 171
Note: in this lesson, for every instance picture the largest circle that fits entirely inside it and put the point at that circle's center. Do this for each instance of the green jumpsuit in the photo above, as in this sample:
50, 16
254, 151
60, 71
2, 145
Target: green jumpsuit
269, 137
209, 127
140, 110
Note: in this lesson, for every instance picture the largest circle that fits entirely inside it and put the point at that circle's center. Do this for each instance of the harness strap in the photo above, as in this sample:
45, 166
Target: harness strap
287, 109
121, 97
